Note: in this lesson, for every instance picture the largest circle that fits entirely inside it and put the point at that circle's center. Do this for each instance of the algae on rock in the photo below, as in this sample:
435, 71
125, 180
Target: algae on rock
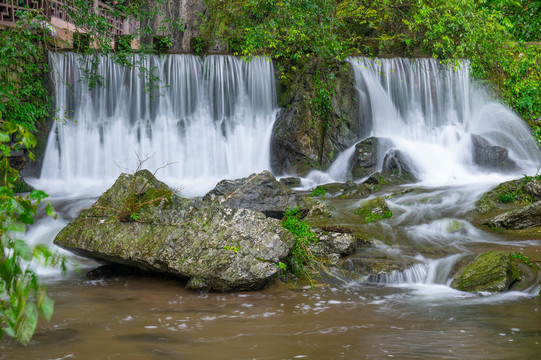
493, 271
375, 209
524, 190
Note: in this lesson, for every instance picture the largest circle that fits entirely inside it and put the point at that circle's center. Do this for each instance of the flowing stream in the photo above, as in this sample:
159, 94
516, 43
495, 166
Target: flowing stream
213, 120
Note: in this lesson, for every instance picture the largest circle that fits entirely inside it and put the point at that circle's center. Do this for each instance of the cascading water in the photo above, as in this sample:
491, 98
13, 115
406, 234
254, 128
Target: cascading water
210, 119
428, 271
430, 111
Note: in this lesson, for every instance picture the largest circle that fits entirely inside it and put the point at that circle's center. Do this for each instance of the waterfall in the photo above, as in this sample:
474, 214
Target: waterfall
429, 271
210, 118
430, 111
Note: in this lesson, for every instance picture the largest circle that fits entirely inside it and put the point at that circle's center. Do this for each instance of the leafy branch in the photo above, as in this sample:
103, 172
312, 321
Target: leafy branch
22, 298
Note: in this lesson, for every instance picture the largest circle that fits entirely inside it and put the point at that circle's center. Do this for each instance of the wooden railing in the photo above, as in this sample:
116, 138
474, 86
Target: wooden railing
9, 8
59, 9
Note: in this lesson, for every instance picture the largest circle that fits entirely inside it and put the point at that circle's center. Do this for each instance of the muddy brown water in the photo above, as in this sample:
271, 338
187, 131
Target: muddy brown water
143, 318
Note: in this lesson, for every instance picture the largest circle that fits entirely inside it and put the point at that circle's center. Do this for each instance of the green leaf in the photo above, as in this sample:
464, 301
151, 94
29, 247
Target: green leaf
26, 324
5, 137
26, 218
15, 227
22, 249
46, 306
50, 211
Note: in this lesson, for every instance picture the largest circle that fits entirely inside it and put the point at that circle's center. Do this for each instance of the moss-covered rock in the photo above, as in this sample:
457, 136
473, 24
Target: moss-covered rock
375, 182
374, 209
214, 247
493, 271
525, 190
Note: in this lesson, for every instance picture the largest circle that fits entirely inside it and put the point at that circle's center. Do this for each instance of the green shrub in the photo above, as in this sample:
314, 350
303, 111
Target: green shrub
300, 256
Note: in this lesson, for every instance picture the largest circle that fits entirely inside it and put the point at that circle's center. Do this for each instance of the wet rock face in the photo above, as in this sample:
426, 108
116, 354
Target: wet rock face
523, 218
488, 156
298, 142
214, 247
260, 192
493, 271
397, 163
365, 159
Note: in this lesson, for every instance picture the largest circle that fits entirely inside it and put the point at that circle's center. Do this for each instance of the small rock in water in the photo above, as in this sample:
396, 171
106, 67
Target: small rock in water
291, 181
374, 210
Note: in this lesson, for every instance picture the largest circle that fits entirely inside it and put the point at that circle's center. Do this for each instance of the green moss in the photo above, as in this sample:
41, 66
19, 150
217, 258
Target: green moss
374, 210
493, 271
521, 191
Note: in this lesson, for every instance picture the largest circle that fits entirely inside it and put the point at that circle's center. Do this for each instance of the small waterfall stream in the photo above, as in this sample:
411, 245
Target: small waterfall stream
428, 271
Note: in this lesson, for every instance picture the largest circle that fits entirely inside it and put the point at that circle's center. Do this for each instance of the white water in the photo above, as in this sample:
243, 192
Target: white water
429, 111
428, 271
211, 120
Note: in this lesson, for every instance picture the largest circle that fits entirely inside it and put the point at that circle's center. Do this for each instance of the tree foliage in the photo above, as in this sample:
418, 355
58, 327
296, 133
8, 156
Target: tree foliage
489, 34
23, 95
286, 30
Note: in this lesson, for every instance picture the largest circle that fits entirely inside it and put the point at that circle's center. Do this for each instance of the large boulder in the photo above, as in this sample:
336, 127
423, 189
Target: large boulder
138, 222
260, 192
489, 156
493, 271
